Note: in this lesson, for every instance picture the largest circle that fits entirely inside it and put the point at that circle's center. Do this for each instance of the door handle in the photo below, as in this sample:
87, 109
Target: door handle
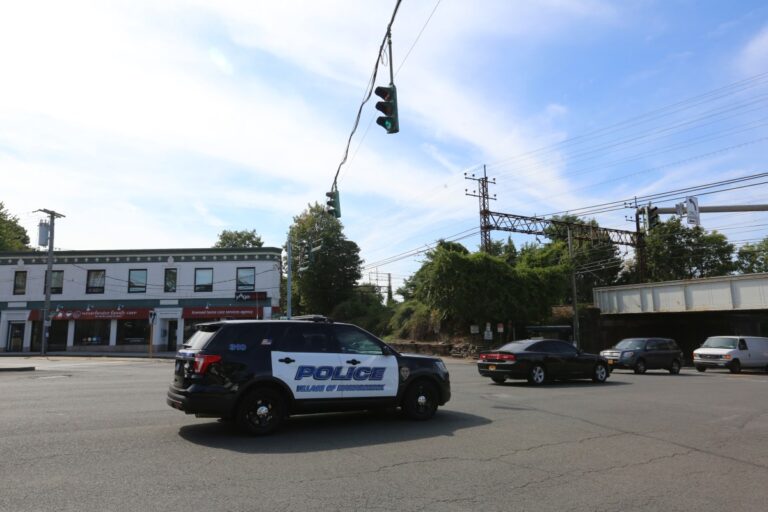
353, 361
287, 360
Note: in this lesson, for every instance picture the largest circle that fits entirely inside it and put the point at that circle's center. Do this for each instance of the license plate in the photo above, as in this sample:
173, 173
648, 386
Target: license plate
611, 361
492, 367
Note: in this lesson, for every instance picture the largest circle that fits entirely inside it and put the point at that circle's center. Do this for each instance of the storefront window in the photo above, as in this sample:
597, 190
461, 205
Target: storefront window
132, 332
92, 332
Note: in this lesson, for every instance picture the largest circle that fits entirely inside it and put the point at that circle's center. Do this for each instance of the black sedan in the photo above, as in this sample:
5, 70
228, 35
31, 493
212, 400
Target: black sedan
540, 361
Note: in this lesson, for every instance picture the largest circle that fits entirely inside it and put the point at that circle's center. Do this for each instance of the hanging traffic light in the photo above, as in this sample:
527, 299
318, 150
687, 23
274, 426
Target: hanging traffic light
332, 204
388, 107
653, 216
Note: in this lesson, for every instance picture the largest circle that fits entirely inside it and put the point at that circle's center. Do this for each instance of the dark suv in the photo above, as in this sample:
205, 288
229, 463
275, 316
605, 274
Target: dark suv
641, 354
258, 372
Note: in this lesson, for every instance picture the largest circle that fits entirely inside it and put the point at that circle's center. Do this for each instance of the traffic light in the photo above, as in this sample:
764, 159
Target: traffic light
653, 216
332, 204
388, 107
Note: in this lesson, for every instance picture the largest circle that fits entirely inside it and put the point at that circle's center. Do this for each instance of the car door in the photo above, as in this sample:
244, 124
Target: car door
553, 359
576, 364
369, 370
306, 358
653, 354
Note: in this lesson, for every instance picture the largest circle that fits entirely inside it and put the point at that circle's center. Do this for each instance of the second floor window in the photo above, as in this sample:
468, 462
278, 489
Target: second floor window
57, 282
137, 281
203, 279
170, 280
246, 279
20, 282
95, 283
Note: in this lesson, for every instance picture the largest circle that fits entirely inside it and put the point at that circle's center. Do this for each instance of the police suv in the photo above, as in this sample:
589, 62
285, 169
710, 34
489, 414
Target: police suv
258, 372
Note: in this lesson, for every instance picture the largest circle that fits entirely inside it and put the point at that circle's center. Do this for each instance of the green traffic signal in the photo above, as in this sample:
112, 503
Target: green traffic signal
332, 204
388, 107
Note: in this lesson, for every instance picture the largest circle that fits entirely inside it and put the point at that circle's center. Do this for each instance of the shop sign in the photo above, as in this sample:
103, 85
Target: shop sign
222, 312
93, 314
248, 296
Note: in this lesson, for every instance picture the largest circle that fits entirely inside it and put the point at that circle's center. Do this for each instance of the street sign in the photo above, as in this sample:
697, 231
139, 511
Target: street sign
692, 210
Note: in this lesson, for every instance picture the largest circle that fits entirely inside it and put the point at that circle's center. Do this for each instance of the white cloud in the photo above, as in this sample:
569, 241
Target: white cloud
754, 56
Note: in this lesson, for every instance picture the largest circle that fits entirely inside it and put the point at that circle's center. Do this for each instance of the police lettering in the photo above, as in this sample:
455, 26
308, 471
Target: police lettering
340, 372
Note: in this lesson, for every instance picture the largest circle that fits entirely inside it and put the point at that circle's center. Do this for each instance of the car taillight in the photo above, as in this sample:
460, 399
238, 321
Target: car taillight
202, 362
497, 357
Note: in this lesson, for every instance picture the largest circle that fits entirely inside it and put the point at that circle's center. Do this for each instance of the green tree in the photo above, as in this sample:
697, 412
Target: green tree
504, 250
13, 236
674, 251
410, 285
753, 258
364, 308
331, 264
238, 239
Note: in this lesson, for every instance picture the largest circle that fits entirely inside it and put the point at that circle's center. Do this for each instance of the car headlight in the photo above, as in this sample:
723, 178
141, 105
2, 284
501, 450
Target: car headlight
441, 366
627, 354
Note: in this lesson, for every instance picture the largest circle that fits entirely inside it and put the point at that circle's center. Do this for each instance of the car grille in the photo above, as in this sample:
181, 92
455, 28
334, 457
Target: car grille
710, 356
614, 355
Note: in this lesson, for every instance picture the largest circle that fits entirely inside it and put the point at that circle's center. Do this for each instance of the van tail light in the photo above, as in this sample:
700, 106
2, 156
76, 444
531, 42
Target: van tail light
202, 362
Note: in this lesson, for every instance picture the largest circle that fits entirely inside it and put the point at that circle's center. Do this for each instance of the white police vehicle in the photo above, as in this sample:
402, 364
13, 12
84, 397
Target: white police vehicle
259, 372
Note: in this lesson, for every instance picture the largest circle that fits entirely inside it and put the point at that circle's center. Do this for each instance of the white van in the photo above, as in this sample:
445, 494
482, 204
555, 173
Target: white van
732, 352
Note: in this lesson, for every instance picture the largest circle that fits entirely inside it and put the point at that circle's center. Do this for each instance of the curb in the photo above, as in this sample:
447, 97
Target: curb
18, 369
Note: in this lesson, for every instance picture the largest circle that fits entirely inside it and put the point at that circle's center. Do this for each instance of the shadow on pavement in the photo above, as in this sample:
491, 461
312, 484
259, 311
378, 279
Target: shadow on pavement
563, 384
323, 432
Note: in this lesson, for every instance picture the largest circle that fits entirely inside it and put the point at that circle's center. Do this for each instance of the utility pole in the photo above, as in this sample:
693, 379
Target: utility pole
288, 293
575, 295
485, 210
52, 216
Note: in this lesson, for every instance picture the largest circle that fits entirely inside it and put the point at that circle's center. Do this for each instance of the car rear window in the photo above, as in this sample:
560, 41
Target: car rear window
515, 346
202, 336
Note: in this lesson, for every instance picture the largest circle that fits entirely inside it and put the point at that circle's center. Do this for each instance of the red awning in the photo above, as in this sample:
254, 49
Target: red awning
223, 312
93, 314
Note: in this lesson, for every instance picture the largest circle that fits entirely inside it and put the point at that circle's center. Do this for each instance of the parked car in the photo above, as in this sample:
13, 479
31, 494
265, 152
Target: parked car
641, 354
732, 352
258, 372
540, 361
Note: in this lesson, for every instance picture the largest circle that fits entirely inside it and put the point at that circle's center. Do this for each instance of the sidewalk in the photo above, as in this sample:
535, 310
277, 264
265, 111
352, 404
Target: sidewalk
24, 361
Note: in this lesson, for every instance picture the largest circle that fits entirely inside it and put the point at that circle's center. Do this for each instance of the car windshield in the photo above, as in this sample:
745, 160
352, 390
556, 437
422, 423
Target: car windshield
631, 344
717, 342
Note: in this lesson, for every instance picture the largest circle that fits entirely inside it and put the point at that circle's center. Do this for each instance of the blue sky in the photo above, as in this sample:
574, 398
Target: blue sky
159, 124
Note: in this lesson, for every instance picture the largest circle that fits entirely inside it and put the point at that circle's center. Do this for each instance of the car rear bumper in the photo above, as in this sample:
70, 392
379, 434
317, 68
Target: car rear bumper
508, 370
201, 402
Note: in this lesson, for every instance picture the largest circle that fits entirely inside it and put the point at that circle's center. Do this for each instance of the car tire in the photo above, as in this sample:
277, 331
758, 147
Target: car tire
640, 367
735, 366
674, 368
420, 400
261, 412
600, 373
537, 375
499, 380
701, 369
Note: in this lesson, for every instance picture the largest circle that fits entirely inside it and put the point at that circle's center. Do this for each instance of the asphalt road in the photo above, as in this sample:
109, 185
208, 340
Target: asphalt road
96, 435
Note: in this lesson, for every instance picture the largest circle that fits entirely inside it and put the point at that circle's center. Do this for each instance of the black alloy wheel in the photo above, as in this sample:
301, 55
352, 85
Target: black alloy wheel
640, 367
735, 366
600, 373
420, 401
537, 375
499, 380
674, 369
261, 412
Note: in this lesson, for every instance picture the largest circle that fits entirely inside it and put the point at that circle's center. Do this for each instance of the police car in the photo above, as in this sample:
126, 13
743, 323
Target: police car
258, 372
